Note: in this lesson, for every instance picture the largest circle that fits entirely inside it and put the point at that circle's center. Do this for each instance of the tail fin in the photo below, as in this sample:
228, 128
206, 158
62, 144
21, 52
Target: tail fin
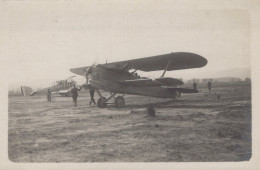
26, 91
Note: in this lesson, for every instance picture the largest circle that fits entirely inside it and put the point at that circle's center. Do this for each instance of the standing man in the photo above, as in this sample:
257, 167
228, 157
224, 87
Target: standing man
92, 93
194, 85
49, 95
209, 86
74, 92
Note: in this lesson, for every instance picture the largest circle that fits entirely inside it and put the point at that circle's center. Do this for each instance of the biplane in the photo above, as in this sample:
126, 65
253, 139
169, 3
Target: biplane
121, 78
61, 87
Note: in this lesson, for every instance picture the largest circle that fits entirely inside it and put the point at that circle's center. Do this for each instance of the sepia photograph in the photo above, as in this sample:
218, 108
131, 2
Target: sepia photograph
128, 82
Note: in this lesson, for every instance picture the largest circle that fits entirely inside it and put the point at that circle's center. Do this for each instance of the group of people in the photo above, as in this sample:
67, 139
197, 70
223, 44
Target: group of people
195, 86
74, 93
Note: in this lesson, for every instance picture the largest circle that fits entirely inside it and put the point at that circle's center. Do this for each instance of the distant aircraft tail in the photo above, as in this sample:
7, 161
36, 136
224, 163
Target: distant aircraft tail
26, 91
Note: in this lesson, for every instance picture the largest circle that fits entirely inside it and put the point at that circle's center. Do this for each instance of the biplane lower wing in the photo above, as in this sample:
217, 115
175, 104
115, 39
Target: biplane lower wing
138, 82
163, 81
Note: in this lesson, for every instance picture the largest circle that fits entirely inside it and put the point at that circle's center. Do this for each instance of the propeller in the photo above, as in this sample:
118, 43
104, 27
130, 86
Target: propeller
89, 70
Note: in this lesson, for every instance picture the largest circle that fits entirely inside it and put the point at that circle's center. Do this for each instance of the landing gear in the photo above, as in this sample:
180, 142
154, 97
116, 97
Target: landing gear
119, 102
102, 102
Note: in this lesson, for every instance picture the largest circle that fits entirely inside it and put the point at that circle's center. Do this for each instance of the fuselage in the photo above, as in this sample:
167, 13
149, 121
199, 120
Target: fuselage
108, 79
55, 88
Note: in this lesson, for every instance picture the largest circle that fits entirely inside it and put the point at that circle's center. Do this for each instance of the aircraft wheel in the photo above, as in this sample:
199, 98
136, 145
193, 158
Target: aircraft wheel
119, 102
101, 102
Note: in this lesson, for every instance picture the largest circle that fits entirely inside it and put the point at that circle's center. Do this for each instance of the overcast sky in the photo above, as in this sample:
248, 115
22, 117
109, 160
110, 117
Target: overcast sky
42, 41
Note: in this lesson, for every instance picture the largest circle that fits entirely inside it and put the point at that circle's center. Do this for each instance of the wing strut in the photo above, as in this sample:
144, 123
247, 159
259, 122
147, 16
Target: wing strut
167, 66
134, 71
125, 66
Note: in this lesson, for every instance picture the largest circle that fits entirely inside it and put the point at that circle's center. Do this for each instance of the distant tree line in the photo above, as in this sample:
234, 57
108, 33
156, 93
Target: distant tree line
14, 92
218, 80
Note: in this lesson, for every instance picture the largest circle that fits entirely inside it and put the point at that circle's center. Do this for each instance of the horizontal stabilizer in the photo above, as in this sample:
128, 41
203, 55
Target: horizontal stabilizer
168, 81
183, 90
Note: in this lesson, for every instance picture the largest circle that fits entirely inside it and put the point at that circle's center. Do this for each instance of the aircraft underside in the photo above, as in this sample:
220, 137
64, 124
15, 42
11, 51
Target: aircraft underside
115, 88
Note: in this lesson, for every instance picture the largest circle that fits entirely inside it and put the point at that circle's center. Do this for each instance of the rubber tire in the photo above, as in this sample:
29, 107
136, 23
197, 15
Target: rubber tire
119, 102
101, 103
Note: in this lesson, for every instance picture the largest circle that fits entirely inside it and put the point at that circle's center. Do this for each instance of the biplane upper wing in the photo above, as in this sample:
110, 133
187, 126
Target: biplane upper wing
175, 61
80, 71
162, 81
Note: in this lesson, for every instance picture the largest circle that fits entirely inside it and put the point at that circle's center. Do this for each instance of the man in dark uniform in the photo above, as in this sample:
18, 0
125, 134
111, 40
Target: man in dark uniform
92, 93
74, 92
49, 95
209, 86
194, 85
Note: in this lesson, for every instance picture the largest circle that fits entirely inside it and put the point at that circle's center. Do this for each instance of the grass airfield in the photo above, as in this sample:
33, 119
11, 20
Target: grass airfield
196, 127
